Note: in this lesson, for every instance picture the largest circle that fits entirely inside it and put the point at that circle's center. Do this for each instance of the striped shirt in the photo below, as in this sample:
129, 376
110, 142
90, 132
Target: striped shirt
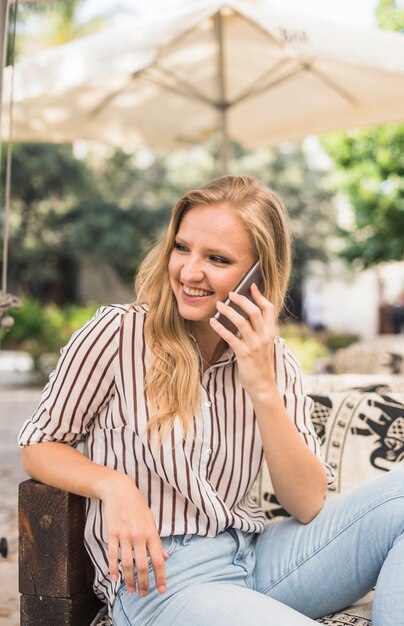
198, 484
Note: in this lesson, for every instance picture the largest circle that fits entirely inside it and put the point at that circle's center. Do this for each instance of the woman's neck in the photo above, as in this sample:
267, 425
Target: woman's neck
210, 345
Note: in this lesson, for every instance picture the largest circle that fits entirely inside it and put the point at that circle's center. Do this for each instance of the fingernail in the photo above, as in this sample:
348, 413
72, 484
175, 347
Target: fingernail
162, 589
142, 593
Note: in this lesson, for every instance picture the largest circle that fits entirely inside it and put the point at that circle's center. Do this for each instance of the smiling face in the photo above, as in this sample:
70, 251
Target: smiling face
212, 253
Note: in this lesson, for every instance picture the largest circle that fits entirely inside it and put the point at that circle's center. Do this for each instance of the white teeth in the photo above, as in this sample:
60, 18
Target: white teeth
195, 292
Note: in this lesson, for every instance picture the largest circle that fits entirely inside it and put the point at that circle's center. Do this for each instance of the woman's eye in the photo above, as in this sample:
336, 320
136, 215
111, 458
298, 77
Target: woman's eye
180, 247
220, 260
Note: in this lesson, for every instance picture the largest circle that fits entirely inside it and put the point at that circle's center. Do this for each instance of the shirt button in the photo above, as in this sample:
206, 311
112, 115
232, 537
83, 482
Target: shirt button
209, 451
207, 403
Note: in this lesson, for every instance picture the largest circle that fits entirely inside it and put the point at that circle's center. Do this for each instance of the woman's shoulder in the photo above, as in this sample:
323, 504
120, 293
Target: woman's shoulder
111, 317
280, 345
120, 310
285, 353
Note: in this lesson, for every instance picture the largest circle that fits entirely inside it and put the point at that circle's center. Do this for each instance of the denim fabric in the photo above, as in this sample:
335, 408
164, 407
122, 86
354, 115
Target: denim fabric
288, 575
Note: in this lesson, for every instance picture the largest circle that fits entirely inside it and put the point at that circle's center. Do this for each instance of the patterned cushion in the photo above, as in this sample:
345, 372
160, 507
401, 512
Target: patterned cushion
382, 355
362, 435
322, 384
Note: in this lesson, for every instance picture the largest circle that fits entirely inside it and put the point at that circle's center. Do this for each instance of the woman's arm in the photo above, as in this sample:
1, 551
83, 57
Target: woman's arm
131, 528
297, 475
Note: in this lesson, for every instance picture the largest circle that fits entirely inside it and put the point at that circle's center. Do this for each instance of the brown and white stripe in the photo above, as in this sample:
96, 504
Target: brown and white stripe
199, 484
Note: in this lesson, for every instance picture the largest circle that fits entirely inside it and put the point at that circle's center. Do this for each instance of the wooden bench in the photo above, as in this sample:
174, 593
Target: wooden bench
55, 572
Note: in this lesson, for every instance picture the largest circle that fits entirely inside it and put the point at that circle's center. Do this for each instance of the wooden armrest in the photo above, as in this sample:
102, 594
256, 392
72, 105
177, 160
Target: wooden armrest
55, 571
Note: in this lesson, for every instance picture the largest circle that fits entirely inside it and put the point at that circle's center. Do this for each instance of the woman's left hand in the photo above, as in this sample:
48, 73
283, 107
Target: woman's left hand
254, 345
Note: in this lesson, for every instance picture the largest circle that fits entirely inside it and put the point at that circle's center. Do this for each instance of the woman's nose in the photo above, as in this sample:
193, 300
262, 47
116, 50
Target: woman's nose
192, 271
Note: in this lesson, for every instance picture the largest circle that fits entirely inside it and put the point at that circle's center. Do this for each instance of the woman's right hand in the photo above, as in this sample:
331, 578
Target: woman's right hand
132, 533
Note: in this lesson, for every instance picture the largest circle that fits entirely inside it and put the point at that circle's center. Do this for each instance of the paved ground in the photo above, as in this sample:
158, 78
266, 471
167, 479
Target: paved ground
16, 404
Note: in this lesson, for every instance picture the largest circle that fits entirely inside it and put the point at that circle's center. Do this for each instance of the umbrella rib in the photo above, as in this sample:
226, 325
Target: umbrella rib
332, 84
269, 85
114, 94
179, 85
255, 87
303, 67
187, 90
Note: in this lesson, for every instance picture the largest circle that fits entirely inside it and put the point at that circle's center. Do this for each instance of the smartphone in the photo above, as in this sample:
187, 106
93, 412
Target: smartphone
254, 275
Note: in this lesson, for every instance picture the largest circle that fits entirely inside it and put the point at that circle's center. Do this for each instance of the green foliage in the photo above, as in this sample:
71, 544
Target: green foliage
310, 347
389, 15
371, 166
42, 25
338, 341
306, 346
42, 329
47, 183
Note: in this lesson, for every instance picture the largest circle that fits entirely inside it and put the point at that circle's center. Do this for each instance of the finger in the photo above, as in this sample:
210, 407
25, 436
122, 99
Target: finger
113, 557
142, 569
158, 562
252, 309
243, 325
267, 308
128, 566
233, 341
258, 296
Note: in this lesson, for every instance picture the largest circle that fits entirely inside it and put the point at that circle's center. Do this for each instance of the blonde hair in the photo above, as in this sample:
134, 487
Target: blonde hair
173, 378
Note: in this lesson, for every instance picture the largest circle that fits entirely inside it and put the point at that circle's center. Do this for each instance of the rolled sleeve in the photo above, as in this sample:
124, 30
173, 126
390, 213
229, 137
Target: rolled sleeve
81, 385
298, 405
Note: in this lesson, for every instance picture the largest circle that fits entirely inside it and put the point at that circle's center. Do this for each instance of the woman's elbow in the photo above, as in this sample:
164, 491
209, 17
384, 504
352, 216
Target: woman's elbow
26, 459
31, 458
305, 517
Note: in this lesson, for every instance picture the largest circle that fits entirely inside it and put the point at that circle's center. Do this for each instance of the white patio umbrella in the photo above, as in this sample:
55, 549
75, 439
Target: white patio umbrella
242, 67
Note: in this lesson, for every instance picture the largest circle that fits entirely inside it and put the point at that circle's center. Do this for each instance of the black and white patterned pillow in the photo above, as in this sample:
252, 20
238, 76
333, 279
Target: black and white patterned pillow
361, 434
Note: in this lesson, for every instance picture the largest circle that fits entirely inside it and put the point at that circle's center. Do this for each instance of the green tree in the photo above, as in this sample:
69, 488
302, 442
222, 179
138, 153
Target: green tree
49, 24
47, 182
371, 167
389, 15
63, 209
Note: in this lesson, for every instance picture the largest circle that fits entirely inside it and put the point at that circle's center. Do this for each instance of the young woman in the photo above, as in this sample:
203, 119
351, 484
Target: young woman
177, 414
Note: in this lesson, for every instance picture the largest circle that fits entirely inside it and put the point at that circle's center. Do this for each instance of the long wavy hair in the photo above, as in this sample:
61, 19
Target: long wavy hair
172, 380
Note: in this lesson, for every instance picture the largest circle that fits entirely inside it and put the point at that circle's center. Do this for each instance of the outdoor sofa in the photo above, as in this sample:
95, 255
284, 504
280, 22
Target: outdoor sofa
360, 420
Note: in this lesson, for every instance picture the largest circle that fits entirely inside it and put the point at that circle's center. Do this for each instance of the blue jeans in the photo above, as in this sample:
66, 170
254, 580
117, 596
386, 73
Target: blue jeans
288, 575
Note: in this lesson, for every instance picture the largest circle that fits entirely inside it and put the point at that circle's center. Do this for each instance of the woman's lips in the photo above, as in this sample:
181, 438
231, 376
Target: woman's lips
194, 291
191, 294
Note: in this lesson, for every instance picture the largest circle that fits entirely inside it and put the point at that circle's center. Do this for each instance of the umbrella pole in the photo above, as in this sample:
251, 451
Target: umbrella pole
224, 143
3, 44
222, 104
